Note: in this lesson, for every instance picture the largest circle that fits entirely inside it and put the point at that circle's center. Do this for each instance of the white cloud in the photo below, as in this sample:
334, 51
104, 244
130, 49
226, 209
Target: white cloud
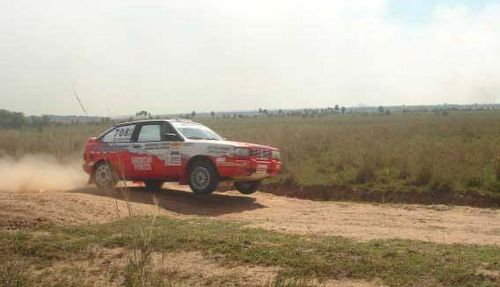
169, 56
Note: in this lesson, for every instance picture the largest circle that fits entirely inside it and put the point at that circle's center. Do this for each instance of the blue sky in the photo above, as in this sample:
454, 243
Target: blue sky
419, 11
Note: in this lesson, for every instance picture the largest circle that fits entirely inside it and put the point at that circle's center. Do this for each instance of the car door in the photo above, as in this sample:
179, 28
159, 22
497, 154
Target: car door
115, 148
156, 156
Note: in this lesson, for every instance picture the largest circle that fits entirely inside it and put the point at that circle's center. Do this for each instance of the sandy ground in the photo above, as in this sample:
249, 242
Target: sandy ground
439, 224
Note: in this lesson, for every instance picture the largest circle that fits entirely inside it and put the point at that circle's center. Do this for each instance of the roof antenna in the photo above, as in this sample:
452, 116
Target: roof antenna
79, 101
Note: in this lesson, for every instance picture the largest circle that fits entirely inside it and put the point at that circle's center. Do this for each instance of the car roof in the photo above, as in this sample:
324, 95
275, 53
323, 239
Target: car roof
154, 121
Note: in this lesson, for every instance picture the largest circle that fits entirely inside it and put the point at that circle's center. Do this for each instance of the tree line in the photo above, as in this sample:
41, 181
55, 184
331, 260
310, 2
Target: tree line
15, 120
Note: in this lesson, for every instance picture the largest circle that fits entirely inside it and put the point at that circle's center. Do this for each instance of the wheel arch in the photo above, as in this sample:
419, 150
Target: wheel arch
198, 158
98, 163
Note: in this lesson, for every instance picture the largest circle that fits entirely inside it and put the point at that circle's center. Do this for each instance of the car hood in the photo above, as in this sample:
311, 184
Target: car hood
232, 143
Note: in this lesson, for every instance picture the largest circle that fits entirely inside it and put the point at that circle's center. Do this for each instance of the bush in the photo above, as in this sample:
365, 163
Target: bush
13, 272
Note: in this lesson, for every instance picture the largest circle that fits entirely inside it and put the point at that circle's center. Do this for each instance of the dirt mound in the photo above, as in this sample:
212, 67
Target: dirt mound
348, 193
360, 221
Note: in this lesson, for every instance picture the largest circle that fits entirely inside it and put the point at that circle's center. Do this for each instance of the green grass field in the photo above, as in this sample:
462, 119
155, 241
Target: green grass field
458, 152
300, 258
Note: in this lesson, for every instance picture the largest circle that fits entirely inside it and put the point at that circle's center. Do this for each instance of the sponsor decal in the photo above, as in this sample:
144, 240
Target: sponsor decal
174, 158
169, 153
120, 134
142, 162
261, 169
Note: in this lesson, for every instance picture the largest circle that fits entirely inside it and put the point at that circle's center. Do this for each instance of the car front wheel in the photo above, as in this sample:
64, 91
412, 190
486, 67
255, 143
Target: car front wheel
247, 187
203, 177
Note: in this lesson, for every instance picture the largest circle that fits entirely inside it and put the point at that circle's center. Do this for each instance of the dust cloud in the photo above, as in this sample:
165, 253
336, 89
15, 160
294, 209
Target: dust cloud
40, 172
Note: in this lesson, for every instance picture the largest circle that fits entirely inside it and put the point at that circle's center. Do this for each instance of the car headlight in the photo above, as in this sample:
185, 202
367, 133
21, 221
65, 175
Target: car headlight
241, 152
275, 154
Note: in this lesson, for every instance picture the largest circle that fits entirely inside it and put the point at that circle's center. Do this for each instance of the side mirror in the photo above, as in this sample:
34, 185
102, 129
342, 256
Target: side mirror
171, 137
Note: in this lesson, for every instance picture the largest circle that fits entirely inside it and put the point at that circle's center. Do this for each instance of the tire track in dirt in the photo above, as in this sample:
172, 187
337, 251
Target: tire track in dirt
441, 224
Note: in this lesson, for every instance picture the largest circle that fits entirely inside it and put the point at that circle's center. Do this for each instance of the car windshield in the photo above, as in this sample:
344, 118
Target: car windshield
196, 131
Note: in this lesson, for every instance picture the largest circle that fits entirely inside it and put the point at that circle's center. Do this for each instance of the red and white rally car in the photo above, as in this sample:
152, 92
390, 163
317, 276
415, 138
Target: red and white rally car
158, 151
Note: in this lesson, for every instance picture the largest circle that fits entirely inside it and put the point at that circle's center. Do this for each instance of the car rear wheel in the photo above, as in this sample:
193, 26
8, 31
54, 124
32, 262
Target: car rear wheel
247, 187
105, 176
203, 177
153, 184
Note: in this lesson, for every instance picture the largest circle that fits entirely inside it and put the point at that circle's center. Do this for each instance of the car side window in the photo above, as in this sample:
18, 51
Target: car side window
121, 134
150, 133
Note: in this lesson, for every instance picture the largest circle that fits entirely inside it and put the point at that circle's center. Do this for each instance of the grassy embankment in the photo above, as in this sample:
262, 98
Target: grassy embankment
29, 255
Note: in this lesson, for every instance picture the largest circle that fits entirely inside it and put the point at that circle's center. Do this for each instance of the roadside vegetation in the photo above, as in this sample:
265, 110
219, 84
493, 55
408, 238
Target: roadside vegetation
458, 151
452, 152
300, 259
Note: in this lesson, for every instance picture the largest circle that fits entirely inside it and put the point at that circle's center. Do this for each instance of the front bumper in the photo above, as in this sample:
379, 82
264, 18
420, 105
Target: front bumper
247, 169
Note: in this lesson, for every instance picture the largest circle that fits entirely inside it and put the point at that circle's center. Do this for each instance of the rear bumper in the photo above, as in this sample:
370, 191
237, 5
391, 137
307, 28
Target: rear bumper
88, 167
247, 169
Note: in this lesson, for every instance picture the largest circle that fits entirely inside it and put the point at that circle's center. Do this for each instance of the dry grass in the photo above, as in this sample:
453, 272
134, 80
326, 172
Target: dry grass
459, 151
63, 142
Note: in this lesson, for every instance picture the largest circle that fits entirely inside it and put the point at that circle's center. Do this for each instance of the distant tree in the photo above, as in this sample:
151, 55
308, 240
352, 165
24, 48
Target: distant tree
193, 114
11, 120
336, 108
212, 114
142, 114
387, 112
381, 109
343, 110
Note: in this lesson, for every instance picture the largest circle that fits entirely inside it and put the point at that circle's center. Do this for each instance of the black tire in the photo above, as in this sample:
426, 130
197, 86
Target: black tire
203, 177
105, 176
153, 184
247, 187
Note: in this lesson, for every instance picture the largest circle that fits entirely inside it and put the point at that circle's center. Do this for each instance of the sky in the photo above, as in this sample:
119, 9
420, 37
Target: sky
173, 56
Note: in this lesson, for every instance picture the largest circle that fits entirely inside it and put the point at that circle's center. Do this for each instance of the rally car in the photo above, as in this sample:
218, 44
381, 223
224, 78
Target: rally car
158, 151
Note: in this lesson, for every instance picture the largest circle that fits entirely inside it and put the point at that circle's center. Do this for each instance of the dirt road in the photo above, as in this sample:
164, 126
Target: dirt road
439, 224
